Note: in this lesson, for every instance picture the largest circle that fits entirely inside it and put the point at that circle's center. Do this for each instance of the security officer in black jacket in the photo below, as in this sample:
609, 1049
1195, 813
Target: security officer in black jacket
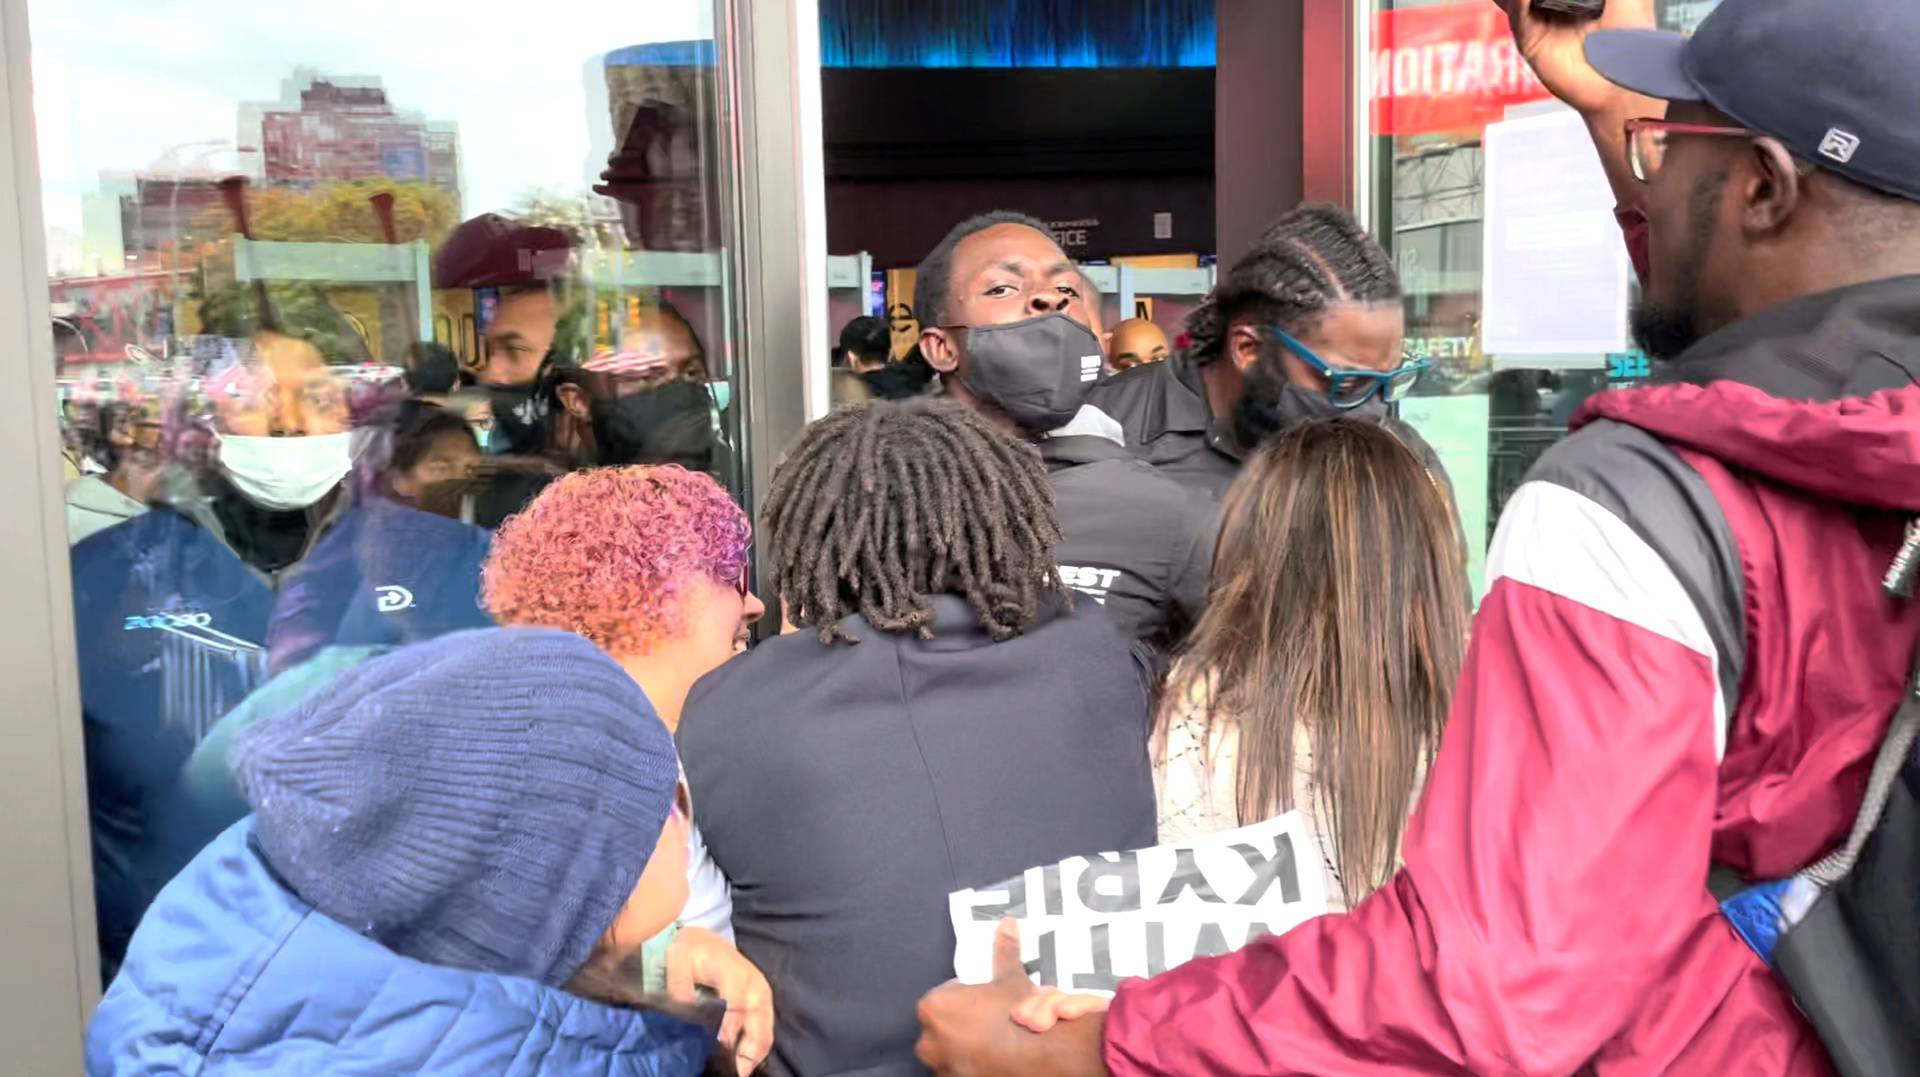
1307, 325
1007, 319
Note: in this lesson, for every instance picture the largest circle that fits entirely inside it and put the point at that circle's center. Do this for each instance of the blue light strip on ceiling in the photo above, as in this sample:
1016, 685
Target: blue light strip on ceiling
1017, 33
988, 33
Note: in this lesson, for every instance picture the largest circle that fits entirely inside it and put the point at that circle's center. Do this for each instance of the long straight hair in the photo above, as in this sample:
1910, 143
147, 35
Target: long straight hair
1338, 608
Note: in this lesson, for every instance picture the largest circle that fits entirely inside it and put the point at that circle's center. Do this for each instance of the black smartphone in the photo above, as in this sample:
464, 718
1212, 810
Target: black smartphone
1584, 9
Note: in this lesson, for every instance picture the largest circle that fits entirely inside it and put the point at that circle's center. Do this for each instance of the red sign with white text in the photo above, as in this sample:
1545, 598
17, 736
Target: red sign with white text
1449, 67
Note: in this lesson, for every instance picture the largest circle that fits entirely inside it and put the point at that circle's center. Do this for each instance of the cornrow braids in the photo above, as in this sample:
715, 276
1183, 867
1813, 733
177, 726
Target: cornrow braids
881, 506
1311, 259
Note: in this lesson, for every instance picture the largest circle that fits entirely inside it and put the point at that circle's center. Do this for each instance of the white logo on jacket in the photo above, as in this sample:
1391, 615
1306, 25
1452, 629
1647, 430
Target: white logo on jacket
393, 598
1089, 581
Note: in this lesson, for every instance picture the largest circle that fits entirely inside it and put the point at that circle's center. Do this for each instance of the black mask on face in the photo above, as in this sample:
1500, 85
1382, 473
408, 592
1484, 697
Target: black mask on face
671, 424
1271, 403
519, 416
1036, 371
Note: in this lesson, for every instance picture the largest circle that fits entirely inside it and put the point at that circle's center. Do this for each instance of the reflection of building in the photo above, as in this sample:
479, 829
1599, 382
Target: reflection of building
162, 212
664, 172
107, 313
328, 129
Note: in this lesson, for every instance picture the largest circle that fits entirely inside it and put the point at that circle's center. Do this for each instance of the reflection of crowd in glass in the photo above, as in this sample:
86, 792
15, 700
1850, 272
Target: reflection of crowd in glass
427, 730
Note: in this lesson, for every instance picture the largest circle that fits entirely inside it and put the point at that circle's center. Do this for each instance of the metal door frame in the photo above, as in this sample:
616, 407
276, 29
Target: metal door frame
48, 984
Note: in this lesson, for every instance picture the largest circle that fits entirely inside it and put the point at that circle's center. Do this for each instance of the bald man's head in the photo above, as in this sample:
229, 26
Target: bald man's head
1137, 341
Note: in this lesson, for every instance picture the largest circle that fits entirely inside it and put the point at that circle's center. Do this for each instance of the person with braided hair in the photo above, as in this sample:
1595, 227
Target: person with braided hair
1308, 324
946, 717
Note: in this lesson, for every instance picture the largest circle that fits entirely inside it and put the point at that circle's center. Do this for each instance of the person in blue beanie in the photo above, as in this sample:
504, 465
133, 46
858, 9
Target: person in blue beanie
455, 856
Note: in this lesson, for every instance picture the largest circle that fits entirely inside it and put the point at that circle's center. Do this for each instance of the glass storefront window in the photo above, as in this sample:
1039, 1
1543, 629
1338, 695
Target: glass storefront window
335, 290
1439, 72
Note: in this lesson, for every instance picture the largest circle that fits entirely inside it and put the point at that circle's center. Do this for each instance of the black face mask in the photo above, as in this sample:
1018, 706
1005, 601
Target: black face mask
671, 424
519, 417
1037, 371
1271, 404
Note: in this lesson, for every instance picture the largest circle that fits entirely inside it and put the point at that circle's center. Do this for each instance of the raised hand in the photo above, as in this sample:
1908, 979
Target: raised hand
1554, 46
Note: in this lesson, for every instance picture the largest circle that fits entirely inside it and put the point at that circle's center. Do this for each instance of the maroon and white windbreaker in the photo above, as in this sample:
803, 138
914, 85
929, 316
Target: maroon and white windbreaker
1684, 659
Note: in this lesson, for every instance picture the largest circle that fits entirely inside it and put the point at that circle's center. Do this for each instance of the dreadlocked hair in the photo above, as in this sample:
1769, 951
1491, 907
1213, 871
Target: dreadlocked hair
1315, 257
883, 505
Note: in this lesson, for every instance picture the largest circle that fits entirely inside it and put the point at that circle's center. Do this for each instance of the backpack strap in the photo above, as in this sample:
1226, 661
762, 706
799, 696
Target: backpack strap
1886, 770
1901, 577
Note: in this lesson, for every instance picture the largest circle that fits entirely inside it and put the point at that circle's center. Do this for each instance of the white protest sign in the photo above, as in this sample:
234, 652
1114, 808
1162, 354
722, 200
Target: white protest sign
1089, 922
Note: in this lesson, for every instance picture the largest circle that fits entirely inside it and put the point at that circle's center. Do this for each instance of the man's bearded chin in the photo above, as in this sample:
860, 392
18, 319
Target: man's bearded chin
1664, 334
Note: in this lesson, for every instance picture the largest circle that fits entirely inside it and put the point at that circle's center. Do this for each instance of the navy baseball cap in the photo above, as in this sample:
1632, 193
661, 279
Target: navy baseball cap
1835, 82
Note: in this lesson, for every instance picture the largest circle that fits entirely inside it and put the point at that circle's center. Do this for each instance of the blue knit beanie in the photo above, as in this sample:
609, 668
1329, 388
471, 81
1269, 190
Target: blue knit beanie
485, 800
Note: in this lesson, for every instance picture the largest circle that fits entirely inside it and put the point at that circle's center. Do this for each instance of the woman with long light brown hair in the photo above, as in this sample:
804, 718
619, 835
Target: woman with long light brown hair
1320, 675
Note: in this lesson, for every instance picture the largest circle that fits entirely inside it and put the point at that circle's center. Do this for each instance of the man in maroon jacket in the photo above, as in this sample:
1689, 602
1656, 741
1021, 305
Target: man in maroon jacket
1684, 661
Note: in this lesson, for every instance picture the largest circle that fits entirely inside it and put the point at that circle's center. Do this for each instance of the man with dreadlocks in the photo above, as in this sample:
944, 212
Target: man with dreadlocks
946, 718
1011, 325
1307, 324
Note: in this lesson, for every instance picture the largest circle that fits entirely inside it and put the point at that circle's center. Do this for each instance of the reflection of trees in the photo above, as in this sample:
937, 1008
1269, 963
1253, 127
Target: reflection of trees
553, 208
301, 310
342, 212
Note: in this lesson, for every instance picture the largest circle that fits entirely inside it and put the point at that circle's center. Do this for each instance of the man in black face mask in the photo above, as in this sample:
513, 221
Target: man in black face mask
1306, 325
647, 402
1007, 320
526, 268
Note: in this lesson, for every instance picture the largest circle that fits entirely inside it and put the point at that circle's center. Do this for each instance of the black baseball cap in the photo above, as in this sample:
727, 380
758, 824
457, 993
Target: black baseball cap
1836, 81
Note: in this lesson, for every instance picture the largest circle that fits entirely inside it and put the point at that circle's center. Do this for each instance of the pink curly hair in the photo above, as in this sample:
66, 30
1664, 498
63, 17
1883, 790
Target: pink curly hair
606, 553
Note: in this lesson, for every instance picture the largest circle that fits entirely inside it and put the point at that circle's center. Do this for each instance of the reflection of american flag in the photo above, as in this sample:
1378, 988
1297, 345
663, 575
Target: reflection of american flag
626, 362
205, 673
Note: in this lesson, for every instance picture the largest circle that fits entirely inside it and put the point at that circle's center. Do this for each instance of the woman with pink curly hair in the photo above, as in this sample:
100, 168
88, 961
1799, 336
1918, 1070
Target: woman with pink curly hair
649, 563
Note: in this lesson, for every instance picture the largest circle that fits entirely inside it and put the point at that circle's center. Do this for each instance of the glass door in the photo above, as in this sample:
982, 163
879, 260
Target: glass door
333, 291
1434, 74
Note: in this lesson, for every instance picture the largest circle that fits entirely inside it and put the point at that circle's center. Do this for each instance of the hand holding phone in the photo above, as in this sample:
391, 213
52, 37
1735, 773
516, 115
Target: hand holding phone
1554, 45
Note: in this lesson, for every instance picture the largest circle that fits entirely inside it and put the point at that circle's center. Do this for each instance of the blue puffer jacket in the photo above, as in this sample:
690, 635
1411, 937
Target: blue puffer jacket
231, 972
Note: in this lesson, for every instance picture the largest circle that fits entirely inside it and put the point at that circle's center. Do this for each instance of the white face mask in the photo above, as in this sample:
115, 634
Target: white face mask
286, 473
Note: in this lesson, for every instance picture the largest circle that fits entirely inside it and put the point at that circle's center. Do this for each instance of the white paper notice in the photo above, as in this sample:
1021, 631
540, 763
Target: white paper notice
1556, 267
1089, 922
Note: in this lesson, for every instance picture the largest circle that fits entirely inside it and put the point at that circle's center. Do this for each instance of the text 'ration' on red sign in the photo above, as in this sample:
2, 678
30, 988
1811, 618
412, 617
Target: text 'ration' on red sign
1446, 67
